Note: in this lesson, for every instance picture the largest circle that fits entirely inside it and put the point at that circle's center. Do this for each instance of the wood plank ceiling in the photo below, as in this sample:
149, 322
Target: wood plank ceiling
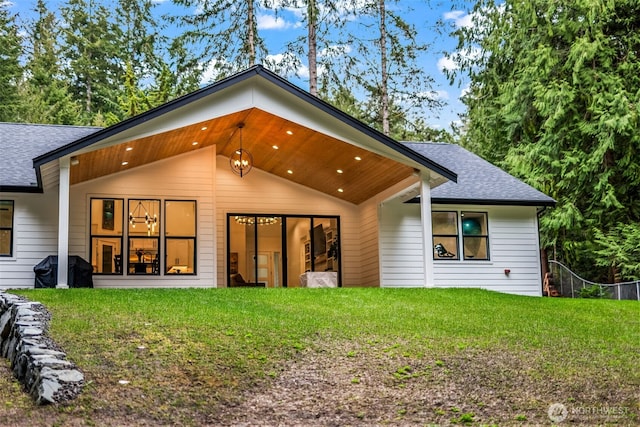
303, 156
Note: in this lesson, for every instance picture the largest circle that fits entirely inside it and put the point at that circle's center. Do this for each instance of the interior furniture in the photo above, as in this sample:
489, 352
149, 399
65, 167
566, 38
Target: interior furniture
237, 281
319, 279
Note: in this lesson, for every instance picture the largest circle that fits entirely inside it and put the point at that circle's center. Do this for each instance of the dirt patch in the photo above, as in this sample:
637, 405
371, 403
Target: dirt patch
341, 384
373, 386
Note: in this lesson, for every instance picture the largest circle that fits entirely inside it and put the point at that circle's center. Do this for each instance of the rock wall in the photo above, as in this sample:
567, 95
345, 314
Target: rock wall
37, 362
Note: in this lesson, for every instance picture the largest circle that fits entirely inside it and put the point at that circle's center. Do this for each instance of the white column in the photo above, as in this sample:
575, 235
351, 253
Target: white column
63, 224
427, 233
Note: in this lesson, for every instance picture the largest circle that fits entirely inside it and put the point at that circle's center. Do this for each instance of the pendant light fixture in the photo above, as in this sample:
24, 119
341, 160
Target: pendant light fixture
241, 160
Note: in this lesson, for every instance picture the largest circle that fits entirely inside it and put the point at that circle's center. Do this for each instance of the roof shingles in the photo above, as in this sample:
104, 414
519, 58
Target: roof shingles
21, 143
479, 182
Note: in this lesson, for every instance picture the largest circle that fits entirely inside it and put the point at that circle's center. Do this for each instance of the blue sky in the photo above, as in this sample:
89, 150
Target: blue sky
277, 29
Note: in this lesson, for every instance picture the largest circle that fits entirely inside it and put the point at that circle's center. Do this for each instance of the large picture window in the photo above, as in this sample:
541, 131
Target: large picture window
180, 236
144, 237
106, 235
471, 227
6, 228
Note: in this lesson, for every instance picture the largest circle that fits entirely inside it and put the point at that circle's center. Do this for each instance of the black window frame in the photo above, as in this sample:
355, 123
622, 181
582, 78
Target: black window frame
11, 228
437, 240
118, 271
194, 238
475, 236
460, 236
155, 268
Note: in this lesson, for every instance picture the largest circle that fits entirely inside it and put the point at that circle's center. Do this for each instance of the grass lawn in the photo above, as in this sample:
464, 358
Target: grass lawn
336, 357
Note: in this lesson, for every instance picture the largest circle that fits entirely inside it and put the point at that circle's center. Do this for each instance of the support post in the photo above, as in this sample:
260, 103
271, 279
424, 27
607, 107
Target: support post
63, 224
427, 233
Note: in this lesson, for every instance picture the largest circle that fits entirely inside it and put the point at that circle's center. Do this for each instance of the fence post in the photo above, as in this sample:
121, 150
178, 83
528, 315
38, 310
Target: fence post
638, 290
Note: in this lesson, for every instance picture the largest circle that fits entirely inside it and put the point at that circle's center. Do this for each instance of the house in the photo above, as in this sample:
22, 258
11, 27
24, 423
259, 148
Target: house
253, 182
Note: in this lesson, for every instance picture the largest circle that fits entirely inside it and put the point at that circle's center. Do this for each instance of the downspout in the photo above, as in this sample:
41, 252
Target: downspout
63, 224
427, 233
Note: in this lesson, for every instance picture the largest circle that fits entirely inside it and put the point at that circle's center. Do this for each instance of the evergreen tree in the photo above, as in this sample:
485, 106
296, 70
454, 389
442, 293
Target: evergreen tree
94, 68
140, 51
10, 69
554, 99
386, 66
46, 94
221, 34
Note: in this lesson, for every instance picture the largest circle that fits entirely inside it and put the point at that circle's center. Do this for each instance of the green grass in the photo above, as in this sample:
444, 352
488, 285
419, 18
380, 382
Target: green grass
192, 348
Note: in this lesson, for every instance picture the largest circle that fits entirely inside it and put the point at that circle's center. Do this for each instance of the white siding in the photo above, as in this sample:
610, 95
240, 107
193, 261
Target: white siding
513, 245
401, 246
185, 177
261, 193
35, 237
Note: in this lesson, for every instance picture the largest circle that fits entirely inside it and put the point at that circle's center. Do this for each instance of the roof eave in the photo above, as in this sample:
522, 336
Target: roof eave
493, 202
32, 189
229, 81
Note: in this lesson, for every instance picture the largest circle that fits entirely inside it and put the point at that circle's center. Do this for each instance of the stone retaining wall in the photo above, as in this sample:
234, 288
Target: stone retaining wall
36, 361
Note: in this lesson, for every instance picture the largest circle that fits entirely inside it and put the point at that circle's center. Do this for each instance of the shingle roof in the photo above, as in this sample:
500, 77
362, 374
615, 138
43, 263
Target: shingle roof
479, 182
20, 143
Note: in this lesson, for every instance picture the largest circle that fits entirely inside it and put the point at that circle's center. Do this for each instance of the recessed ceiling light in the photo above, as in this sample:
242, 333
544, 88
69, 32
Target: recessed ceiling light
358, 158
340, 190
289, 132
194, 143
339, 171
275, 147
203, 128
289, 171
125, 163
129, 148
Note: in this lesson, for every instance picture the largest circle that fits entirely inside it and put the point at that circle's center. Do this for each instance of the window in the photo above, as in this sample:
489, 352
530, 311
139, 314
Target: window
276, 250
106, 235
475, 237
144, 237
6, 228
180, 237
446, 235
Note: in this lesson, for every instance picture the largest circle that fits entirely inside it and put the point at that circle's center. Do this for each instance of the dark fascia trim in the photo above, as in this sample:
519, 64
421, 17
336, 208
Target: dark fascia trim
141, 118
486, 202
232, 80
351, 121
21, 189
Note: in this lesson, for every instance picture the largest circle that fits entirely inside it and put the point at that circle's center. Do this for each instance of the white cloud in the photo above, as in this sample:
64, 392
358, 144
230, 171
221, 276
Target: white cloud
336, 51
272, 22
447, 64
460, 18
442, 94
465, 91
7, 4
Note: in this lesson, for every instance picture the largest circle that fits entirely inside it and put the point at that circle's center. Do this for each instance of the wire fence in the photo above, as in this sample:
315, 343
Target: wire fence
569, 284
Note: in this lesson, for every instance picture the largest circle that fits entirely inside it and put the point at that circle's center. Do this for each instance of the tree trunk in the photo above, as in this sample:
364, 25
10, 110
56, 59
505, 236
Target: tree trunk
313, 66
384, 85
251, 42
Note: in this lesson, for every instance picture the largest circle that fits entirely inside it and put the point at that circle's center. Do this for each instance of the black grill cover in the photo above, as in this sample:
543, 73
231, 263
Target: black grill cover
80, 273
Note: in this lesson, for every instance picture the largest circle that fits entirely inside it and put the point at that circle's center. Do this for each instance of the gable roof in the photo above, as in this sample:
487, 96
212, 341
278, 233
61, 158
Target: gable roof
268, 76
21, 143
479, 182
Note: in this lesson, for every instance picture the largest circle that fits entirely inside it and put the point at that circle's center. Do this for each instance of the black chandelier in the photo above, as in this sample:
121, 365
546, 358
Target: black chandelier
241, 160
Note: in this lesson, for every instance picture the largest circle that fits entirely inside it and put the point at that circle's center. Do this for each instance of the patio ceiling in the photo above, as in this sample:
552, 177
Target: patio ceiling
303, 156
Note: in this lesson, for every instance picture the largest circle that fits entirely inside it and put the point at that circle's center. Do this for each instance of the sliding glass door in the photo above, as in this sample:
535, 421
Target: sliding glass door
276, 250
